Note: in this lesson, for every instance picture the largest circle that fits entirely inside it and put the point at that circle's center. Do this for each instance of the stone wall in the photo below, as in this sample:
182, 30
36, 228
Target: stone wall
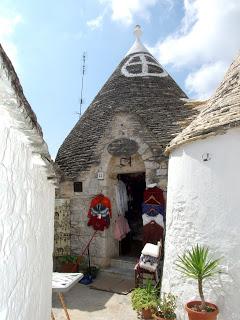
26, 227
154, 164
62, 227
203, 207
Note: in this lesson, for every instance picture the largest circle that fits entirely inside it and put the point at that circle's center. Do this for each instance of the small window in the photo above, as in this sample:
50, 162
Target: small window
77, 186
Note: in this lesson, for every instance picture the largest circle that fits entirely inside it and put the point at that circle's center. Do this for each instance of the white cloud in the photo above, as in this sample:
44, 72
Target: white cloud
8, 24
96, 23
208, 39
124, 11
202, 82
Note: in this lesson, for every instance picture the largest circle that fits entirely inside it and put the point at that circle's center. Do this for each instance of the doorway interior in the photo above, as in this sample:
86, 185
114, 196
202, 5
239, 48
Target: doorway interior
132, 244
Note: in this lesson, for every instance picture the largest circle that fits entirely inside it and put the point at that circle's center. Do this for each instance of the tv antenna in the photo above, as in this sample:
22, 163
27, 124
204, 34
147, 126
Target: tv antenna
83, 73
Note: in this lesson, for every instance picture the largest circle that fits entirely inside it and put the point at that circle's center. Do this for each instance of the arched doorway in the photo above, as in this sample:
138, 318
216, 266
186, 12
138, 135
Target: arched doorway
132, 174
135, 183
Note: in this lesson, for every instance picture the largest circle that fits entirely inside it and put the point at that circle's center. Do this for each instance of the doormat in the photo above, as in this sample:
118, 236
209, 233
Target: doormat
113, 284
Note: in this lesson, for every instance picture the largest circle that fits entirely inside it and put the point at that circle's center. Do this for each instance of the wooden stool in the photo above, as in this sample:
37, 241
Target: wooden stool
141, 274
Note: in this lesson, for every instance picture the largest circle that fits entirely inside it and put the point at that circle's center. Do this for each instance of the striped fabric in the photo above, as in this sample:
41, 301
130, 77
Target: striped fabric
152, 210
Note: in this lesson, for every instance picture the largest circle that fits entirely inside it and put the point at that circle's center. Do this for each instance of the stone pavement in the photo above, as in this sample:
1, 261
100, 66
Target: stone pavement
85, 303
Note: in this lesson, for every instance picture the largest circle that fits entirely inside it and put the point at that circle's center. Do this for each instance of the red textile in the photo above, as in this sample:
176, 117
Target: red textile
100, 199
154, 196
152, 233
98, 224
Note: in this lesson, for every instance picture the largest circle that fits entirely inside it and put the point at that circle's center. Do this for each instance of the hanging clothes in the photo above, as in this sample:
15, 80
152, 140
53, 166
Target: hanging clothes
158, 219
152, 210
100, 210
99, 213
152, 214
121, 228
99, 204
152, 233
98, 224
121, 197
154, 196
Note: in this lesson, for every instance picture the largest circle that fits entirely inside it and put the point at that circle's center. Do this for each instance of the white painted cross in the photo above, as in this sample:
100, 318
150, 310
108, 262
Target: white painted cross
141, 59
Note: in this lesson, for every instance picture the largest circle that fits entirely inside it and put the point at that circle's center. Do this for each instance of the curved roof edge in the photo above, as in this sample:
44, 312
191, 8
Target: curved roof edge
219, 114
22, 111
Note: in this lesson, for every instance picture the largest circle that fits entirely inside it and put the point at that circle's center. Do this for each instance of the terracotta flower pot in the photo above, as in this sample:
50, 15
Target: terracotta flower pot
69, 267
196, 315
146, 313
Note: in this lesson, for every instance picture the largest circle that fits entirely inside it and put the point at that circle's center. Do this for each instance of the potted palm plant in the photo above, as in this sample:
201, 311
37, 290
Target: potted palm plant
197, 264
144, 300
166, 307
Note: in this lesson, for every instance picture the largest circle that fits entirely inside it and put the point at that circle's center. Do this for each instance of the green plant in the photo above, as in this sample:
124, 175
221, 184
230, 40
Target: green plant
144, 298
167, 306
68, 259
197, 264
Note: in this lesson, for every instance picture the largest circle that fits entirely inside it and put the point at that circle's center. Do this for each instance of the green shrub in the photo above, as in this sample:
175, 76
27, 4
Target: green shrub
68, 259
144, 298
167, 306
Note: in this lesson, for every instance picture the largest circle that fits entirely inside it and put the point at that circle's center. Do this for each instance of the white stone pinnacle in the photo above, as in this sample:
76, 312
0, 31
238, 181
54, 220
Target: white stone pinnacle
137, 31
137, 46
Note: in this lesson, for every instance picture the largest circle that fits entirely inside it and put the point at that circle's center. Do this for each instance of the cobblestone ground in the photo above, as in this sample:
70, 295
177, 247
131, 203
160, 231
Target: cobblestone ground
84, 303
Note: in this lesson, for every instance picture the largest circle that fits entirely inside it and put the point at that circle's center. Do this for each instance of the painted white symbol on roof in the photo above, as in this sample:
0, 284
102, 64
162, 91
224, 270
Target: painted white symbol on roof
142, 65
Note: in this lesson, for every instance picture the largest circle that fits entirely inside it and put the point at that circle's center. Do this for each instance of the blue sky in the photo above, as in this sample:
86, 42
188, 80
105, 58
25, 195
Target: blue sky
195, 40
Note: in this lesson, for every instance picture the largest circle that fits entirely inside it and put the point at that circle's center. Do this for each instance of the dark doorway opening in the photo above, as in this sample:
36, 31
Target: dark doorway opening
132, 244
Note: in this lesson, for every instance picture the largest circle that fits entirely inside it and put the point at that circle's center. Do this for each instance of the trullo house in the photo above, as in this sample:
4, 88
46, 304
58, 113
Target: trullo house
203, 196
119, 140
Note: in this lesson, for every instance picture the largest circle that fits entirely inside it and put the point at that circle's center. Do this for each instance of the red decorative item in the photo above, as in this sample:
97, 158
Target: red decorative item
100, 199
98, 223
100, 213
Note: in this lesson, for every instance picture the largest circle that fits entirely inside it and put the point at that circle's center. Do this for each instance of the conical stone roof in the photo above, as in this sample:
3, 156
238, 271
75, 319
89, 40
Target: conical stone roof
221, 112
139, 85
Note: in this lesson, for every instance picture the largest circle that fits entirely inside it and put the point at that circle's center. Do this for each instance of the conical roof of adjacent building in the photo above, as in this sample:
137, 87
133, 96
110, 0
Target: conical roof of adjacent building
139, 85
221, 112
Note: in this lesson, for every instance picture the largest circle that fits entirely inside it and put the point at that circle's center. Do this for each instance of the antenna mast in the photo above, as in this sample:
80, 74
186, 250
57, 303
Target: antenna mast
83, 73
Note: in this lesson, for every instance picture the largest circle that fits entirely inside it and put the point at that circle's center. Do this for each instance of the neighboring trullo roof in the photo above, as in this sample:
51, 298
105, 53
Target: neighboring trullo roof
221, 112
140, 86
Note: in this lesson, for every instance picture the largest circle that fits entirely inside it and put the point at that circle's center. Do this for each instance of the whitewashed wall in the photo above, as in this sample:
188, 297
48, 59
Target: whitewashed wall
204, 207
26, 227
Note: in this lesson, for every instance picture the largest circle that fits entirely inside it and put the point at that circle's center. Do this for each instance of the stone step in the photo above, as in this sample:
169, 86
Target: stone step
121, 267
118, 272
127, 263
